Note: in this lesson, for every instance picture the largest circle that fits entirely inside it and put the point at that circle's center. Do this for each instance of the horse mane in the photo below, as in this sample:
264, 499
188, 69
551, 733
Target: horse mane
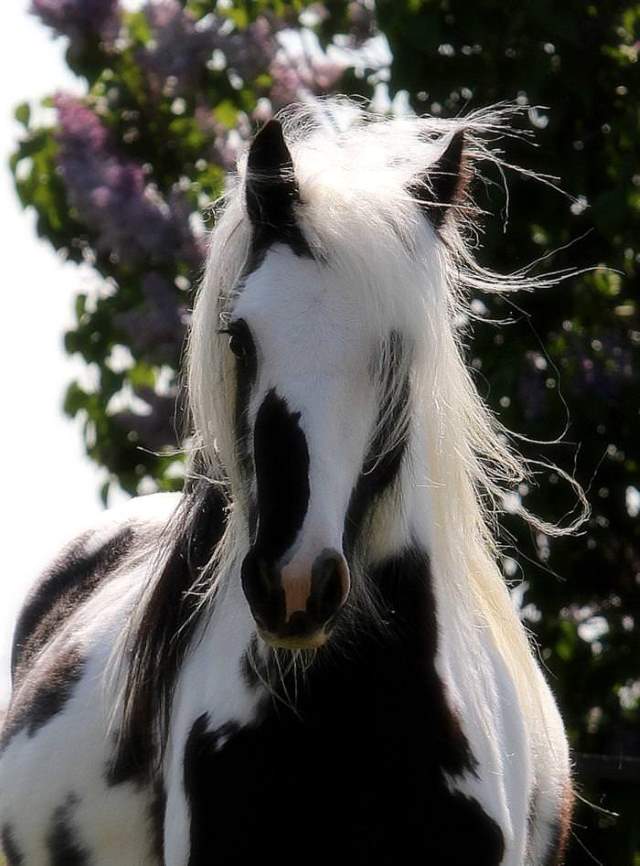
356, 174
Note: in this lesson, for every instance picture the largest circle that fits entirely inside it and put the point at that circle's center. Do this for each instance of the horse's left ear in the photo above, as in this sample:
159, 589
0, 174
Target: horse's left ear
271, 187
444, 182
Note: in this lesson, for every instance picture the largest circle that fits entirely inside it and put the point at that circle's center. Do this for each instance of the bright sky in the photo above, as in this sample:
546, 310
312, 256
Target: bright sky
49, 487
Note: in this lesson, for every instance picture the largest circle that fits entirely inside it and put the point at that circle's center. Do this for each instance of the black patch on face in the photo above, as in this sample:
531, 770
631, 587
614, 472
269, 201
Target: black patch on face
356, 769
282, 477
379, 473
9, 847
168, 624
63, 588
281, 462
62, 842
43, 694
246, 373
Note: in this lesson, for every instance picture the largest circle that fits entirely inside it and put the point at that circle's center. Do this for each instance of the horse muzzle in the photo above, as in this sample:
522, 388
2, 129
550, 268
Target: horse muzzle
295, 607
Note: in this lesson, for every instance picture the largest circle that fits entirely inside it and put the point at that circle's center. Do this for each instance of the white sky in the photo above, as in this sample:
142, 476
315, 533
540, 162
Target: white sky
49, 488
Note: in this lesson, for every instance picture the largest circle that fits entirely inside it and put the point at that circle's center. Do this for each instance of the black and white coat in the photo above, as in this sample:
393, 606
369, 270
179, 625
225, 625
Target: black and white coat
318, 659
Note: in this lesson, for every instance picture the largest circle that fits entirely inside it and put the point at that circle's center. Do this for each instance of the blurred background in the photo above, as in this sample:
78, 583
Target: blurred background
119, 121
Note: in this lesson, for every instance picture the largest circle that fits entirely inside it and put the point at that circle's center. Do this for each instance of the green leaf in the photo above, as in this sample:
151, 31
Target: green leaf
22, 113
226, 113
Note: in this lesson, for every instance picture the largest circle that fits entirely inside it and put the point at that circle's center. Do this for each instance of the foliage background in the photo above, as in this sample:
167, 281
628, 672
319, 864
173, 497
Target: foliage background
119, 181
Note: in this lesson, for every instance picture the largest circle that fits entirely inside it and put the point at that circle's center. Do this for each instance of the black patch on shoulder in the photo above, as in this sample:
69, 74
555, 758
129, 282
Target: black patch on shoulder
379, 473
62, 589
282, 477
9, 847
43, 694
358, 765
62, 841
169, 621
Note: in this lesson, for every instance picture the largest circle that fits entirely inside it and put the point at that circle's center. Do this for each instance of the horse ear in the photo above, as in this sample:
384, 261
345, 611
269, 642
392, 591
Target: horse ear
271, 188
444, 183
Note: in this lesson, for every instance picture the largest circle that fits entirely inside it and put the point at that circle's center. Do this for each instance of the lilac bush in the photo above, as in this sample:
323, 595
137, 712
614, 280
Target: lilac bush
131, 221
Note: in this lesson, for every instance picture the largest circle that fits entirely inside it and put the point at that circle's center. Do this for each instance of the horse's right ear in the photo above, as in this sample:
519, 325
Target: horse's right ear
271, 188
444, 183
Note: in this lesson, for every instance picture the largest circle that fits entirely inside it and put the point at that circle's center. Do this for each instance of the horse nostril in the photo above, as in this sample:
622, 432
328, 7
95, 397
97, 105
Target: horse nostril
329, 585
262, 589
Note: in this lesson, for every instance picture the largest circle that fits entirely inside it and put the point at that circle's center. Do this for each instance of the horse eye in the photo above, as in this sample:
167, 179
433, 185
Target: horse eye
237, 346
240, 340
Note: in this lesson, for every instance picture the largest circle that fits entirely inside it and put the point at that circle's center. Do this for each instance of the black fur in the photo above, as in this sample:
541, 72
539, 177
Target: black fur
557, 845
444, 184
558, 828
40, 698
62, 589
252, 666
272, 195
281, 460
129, 762
167, 628
378, 474
246, 372
156, 817
9, 847
62, 842
353, 774
282, 477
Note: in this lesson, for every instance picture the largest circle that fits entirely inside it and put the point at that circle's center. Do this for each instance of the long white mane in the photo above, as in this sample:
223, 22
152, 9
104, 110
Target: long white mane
354, 173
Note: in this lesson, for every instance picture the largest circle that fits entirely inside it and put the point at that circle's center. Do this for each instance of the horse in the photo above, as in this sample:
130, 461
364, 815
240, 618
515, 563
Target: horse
312, 649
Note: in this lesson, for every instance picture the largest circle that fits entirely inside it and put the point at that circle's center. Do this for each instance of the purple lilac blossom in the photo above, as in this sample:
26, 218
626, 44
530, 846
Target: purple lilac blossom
224, 147
132, 221
156, 328
79, 19
179, 48
294, 77
250, 52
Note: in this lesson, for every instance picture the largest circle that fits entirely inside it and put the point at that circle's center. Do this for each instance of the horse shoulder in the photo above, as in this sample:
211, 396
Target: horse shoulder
79, 569
57, 798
